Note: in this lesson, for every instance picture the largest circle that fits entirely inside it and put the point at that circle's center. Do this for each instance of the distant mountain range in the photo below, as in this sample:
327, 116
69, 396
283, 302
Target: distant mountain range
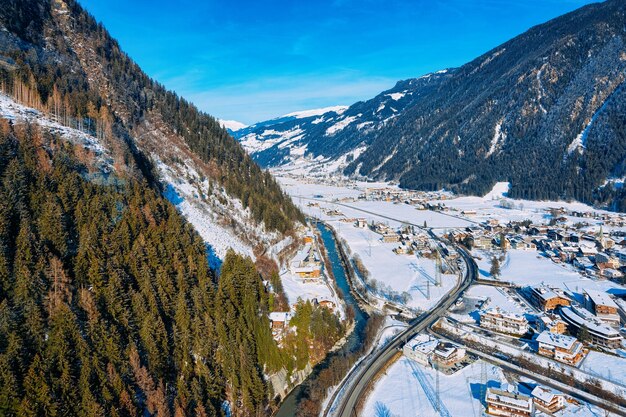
545, 111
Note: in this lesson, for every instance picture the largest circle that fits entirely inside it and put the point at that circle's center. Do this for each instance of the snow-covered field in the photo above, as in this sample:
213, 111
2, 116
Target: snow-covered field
530, 268
612, 368
408, 389
402, 273
490, 207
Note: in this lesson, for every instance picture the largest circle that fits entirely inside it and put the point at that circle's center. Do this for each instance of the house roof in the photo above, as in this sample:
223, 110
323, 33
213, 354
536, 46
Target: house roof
544, 394
557, 340
600, 298
280, 316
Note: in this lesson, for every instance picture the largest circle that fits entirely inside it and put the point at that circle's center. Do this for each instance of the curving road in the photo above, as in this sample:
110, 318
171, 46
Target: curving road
359, 377
356, 383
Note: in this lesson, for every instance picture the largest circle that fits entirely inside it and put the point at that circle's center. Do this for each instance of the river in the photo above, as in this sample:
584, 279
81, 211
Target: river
355, 339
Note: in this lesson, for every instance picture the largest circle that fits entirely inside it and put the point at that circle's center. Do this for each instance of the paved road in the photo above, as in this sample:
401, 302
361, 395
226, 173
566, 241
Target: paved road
543, 379
369, 368
358, 379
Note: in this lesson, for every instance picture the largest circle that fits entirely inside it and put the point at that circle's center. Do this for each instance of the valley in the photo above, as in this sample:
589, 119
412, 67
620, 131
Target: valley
452, 244
372, 222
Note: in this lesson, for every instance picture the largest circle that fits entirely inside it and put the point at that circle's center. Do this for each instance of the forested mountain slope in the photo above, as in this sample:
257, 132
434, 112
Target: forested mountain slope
54, 57
107, 303
544, 111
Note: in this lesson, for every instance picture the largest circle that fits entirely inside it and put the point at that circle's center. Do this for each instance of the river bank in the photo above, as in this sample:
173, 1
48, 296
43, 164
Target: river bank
331, 370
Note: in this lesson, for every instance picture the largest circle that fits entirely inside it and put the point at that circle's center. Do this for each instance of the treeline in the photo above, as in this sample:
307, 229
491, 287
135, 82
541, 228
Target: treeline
49, 66
107, 303
317, 329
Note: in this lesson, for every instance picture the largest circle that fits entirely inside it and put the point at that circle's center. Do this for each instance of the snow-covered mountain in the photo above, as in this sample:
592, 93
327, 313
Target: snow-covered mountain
543, 111
232, 125
326, 140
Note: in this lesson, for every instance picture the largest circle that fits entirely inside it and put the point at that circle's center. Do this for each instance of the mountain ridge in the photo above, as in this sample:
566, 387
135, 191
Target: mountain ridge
542, 111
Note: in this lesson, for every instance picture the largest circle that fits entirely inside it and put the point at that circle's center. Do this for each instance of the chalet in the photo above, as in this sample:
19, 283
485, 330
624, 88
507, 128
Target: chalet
604, 261
447, 354
503, 322
538, 230
583, 263
560, 347
602, 305
551, 323
361, 223
279, 322
401, 250
420, 348
508, 403
327, 303
555, 234
391, 237
611, 273
547, 400
548, 299
482, 242
305, 265
621, 254
587, 250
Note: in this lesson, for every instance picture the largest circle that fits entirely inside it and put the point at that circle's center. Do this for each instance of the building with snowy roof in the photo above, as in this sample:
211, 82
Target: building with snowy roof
598, 332
602, 305
561, 348
548, 299
420, 348
547, 400
509, 403
503, 322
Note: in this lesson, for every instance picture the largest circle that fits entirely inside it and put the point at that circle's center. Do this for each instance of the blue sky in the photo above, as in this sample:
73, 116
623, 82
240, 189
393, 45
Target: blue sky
254, 60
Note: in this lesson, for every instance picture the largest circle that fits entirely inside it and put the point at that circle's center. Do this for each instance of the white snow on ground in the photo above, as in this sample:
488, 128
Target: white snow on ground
580, 141
605, 366
341, 124
499, 190
391, 328
530, 268
402, 273
498, 137
405, 388
11, 110
316, 112
232, 125
295, 289
396, 96
402, 390
184, 196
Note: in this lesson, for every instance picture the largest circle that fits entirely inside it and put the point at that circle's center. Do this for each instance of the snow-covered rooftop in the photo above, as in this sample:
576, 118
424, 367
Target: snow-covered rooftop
557, 340
600, 298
